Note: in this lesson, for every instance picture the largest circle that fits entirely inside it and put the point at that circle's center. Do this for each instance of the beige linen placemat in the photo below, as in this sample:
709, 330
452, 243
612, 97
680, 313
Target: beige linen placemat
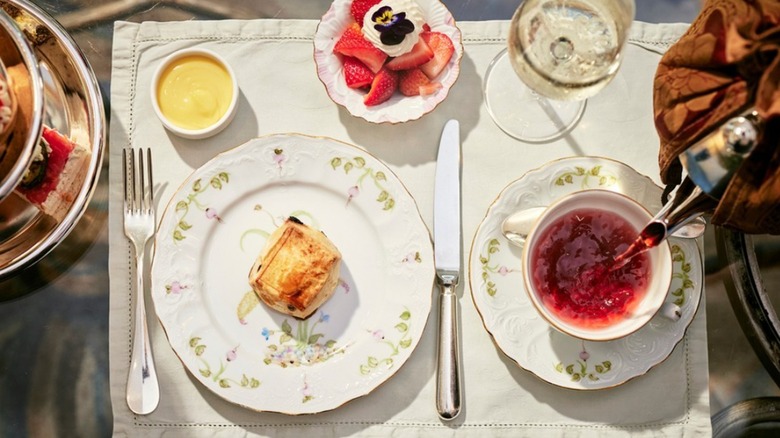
280, 93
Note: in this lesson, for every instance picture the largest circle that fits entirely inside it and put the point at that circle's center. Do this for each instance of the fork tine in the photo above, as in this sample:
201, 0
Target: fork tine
134, 204
151, 181
126, 176
142, 192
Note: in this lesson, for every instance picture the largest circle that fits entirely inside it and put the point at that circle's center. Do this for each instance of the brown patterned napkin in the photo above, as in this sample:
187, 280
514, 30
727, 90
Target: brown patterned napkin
727, 62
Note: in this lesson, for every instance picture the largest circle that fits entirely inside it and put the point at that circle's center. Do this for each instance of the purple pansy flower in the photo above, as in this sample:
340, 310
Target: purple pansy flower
392, 27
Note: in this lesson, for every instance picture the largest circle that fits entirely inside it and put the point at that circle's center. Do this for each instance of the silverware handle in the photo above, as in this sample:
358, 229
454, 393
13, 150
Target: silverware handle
143, 389
448, 360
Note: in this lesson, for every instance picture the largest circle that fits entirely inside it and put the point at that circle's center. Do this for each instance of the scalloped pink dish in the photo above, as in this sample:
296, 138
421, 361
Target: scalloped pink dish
398, 108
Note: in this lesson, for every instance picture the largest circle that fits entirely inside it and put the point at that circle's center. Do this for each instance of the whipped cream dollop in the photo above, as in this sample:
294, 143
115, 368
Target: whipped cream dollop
394, 26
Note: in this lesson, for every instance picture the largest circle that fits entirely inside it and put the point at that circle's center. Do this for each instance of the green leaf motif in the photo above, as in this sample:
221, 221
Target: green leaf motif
583, 372
287, 328
247, 304
313, 338
206, 370
582, 174
678, 256
404, 342
384, 196
492, 247
183, 206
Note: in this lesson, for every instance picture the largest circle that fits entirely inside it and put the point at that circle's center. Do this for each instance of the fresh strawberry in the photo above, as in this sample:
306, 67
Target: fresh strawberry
360, 7
382, 88
419, 55
352, 43
428, 89
442, 52
356, 73
414, 82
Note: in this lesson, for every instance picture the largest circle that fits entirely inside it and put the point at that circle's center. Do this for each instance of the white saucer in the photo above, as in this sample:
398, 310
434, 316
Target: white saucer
517, 329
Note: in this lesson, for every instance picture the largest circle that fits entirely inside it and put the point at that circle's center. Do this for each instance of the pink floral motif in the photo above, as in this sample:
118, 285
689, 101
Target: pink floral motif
344, 285
306, 391
412, 257
379, 335
231, 354
279, 157
212, 214
174, 288
352, 192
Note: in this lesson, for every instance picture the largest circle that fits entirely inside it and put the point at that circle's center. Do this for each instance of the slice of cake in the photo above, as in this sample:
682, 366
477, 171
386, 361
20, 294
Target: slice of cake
56, 174
297, 271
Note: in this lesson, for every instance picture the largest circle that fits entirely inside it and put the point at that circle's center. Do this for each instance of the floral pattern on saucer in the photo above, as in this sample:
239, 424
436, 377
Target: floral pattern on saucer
252, 355
497, 286
399, 108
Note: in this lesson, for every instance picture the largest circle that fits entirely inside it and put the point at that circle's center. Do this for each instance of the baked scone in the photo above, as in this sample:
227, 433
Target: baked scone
297, 271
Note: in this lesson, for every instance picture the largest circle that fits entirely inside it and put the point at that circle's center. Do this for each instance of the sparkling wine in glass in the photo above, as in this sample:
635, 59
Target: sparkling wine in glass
563, 51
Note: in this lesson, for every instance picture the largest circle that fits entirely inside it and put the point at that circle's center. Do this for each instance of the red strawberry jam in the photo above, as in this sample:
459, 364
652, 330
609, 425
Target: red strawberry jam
572, 268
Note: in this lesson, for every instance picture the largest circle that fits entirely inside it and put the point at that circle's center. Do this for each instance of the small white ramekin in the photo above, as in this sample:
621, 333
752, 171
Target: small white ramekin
220, 124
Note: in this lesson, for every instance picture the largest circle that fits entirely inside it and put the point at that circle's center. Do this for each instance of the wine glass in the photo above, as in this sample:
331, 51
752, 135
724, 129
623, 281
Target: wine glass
563, 51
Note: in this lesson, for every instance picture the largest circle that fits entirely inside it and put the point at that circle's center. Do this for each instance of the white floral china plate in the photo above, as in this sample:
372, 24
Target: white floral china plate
517, 329
216, 225
399, 108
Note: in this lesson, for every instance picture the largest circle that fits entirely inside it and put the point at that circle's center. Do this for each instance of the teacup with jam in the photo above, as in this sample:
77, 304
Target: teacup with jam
570, 272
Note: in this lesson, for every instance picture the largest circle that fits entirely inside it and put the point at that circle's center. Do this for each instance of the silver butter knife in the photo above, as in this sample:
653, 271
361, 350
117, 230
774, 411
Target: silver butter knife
447, 258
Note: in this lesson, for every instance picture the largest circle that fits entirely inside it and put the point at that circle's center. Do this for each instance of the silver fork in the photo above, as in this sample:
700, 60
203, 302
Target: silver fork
143, 390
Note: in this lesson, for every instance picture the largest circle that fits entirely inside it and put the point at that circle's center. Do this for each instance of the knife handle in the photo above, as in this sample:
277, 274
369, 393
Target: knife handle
448, 360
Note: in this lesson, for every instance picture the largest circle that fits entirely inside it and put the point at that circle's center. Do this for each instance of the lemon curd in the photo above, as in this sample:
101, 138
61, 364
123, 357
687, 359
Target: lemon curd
194, 92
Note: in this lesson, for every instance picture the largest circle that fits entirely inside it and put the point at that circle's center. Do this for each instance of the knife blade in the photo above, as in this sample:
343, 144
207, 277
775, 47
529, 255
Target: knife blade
447, 260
